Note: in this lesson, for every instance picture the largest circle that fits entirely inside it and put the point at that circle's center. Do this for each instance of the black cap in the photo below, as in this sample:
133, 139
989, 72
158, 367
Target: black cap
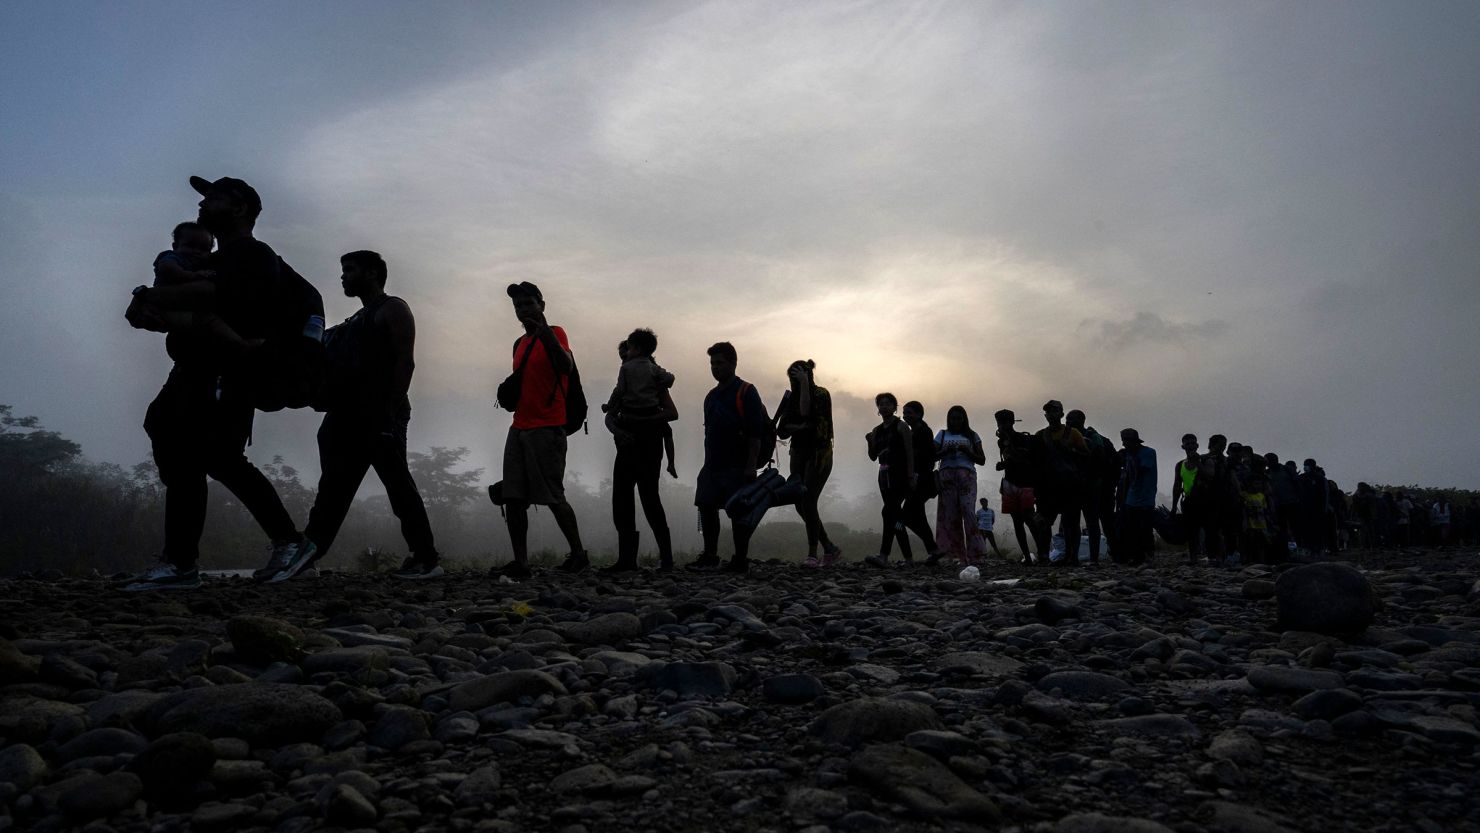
237, 188
1005, 415
525, 289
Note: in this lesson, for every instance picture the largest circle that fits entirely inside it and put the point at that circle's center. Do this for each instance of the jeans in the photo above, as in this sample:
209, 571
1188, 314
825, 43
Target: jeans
348, 448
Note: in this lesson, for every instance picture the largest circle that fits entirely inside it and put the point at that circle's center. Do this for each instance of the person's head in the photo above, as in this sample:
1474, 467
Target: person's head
1235, 449
1005, 420
227, 206
1053, 411
886, 404
1075, 419
1290, 466
1309, 464
622, 351
1256, 465
1217, 443
362, 274
913, 412
192, 239
986, 504
1130, 438
1271, 460
641, 343
527, 299
957, 422
799, 373
722, 361
1189, 443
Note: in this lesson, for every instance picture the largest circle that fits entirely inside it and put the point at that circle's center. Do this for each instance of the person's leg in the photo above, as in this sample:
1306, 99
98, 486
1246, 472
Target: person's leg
344, 457
1070, 528
227, 462
966, 511
389, 460
565, 518
807, 506
948, 519
173, 424
992, 539
913, 515
624, 512
1092, 524
709, 530
889, 515
649, 469
818, 471
516, 515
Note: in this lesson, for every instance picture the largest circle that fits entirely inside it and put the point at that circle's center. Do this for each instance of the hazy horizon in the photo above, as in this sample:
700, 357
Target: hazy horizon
1255, 220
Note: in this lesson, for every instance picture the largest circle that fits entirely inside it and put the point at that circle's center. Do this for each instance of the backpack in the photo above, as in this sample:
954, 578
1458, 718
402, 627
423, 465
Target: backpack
768, 436
345, 346
287, 371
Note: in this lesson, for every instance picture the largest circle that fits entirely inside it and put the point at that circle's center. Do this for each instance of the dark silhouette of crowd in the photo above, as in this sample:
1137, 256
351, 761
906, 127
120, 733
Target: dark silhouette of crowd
246, 333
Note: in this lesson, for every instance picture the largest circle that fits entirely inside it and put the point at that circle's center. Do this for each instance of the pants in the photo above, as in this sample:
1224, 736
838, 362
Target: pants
639, 465
813, 468
1133, 541
955, 515
195, 436
912, 514
1099, 514
1203, 522
1053, 503
348, 448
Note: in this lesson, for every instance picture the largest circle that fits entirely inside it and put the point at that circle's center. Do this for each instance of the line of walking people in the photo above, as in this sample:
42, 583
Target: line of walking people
246, 333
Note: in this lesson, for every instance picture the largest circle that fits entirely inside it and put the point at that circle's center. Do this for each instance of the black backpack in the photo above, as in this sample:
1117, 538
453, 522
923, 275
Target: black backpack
345, 372
287, 371
768, 435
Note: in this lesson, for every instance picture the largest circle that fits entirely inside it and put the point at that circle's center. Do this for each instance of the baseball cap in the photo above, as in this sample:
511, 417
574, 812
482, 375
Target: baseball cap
235, 187
525, 289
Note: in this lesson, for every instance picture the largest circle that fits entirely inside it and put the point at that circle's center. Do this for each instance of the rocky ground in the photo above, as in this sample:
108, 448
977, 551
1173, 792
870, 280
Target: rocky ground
1113, 699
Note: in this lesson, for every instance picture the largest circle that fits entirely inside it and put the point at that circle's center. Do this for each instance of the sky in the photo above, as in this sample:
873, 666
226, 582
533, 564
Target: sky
1257, 219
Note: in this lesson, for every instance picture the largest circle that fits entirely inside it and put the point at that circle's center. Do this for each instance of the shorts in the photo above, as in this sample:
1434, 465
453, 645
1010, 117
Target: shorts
1016, 499
534, 465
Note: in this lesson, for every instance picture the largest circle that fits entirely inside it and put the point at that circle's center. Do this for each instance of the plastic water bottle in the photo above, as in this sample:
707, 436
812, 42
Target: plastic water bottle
1056, 551
971, 573
314, 329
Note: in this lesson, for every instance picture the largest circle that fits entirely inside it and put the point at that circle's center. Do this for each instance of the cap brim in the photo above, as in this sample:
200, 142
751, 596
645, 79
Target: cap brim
201, 185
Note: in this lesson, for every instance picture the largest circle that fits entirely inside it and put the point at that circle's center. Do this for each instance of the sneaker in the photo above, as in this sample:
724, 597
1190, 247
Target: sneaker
934, 558
704, 562
832, 556
278, 557
302, 555
513, 570
880, 561
164, 577
414, 568
576, 562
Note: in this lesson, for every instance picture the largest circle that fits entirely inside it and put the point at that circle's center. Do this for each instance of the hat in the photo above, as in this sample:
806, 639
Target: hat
1053, 403
1130, 436
525, 289
231, 185
1005, 415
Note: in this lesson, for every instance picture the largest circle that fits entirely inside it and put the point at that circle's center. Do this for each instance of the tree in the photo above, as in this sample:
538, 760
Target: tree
445, 490
27, 449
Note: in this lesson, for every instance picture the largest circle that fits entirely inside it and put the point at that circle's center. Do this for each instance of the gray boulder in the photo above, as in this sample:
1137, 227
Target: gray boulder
920, 782
1325, 598
873, 720
503, 687
263, 714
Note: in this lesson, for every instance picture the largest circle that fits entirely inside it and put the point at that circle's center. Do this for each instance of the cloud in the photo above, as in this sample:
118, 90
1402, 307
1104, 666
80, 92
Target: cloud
1149, 328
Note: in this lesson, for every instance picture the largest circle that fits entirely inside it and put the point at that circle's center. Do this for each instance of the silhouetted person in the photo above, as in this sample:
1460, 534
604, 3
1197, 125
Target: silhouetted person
200, 422
1215, 499
1016, 459
986, 522
1257, 518
1310, 534
959, 451
534, 453
735, 427
913, 514
1061, 488
1101, 475
639, 409
1286, 497
806, 420
371, 358
1135, 500
891, 443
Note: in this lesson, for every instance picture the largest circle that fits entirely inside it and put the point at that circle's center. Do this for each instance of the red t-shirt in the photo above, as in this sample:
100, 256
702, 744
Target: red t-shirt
537, 408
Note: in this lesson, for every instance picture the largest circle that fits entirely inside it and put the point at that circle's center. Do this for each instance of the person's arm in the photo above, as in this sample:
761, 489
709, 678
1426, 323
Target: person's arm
560, 357
873, 453
908, 436
401, 326
1176, 485
978, 452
